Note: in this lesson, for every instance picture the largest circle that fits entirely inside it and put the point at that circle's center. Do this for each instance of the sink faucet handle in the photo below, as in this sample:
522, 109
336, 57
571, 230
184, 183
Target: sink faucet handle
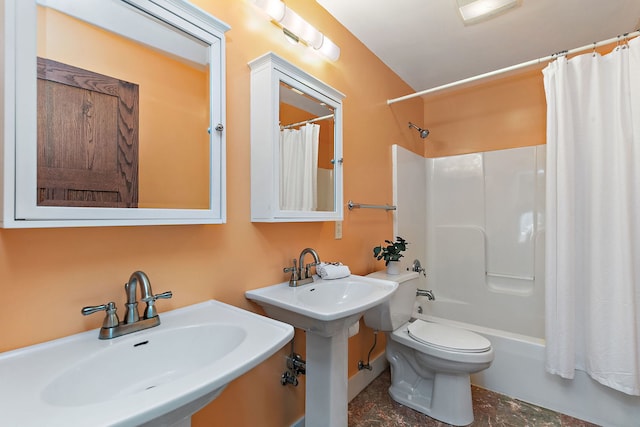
95, 308
293, 270
151, 311
163, 295
307, 268
295, 273
111, 319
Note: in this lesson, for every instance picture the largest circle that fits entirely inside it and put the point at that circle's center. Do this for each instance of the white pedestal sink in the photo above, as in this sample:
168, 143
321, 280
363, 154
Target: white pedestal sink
325, 309
158, 376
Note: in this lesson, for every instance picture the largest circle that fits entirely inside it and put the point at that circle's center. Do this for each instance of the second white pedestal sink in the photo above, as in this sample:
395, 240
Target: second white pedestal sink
154, 377
325, 309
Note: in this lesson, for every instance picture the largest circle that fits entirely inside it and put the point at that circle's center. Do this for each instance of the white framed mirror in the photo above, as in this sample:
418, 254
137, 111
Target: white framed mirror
296, 144
120, 119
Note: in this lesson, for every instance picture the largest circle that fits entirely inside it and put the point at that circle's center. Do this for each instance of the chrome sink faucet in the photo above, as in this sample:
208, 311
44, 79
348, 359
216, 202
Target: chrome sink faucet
112, 327
304, 274
301, 273
146, 295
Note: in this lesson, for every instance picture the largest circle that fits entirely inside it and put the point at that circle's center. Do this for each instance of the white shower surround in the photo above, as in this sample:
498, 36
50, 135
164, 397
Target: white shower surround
510, 315
475, 223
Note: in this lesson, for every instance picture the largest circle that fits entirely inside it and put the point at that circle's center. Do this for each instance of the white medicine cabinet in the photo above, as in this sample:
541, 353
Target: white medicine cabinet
113, 113
296, 144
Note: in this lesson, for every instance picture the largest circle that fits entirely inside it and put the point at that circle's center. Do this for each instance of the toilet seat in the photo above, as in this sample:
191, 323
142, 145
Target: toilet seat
447, 338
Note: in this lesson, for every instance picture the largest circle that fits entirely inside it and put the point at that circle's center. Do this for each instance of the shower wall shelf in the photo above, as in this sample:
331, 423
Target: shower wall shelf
353, 205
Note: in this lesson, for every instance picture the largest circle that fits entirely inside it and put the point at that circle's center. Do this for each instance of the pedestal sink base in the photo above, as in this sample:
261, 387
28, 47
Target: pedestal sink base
181, 417
327, 380
325, 309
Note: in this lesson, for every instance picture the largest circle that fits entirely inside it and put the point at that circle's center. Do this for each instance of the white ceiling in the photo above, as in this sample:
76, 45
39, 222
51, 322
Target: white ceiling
427, 45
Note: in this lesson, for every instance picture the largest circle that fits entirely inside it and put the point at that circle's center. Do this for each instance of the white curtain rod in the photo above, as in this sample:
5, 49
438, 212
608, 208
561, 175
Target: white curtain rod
304, 122
619, 39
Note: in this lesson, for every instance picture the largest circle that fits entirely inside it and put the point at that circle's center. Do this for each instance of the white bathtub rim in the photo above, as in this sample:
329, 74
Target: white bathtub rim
518, 371
483, 330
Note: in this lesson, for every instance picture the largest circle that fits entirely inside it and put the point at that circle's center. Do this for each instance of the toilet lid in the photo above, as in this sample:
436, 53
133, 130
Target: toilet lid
447, 338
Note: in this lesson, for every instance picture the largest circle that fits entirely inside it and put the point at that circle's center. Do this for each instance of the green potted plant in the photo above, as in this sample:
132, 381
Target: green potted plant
391, 253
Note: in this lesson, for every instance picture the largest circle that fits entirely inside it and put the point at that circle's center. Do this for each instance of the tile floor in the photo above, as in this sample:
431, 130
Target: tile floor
374, 407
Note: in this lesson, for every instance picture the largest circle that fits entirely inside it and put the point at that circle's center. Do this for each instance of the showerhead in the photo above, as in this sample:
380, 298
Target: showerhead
423, 132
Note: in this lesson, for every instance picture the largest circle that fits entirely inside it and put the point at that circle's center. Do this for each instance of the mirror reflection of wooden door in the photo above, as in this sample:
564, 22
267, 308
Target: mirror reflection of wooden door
87, 138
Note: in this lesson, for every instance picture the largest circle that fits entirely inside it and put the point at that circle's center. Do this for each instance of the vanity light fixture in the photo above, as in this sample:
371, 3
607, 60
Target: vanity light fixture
296, 29
473, 11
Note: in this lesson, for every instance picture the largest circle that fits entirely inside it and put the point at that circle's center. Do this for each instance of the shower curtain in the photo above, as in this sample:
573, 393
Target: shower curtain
593, 217
299, 168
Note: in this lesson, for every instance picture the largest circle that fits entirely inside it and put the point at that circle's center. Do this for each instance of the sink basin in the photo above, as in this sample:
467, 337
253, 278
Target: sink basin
169, 355
156, 376
323, 307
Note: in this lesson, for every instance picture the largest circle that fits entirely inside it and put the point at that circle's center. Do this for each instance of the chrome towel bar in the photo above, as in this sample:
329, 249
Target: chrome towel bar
353, 205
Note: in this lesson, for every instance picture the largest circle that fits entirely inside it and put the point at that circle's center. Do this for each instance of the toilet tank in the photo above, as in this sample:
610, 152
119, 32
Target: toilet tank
391, 314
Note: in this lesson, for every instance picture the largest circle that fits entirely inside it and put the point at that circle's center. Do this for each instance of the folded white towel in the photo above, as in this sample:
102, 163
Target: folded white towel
333, 270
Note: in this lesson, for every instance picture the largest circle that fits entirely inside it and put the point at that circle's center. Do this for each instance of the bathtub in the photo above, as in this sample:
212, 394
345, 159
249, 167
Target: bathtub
451, 209
518, 371
515, 314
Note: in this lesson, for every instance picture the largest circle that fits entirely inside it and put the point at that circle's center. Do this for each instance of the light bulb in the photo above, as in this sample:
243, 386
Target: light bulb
274, 8
329, 49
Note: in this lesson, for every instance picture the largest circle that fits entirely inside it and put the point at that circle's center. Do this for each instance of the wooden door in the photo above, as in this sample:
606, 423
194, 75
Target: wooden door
87, 138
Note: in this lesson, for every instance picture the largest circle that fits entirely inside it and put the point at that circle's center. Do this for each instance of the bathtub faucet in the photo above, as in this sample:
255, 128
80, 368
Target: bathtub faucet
426, 293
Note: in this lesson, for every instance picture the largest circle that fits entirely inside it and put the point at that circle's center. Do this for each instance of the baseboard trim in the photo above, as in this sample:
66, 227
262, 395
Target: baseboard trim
360, 381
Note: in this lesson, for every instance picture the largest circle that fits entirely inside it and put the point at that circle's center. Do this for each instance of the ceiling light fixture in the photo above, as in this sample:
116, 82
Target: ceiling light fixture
295, 27
291, 38
473, 11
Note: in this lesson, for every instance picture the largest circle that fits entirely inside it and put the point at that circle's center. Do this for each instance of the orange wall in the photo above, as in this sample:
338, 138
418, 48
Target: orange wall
502, 113
506, 111
47, 275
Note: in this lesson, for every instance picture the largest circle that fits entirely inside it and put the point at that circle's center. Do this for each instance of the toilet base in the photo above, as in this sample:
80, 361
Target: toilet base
435, 397
441, 394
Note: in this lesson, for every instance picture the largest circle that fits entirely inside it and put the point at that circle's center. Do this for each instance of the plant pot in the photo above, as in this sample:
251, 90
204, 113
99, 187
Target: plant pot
393, 267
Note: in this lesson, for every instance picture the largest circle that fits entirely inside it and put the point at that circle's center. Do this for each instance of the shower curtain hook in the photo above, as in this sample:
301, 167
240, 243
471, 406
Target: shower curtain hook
593, 52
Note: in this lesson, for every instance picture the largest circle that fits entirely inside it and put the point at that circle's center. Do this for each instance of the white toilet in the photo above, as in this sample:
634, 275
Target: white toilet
430, 362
